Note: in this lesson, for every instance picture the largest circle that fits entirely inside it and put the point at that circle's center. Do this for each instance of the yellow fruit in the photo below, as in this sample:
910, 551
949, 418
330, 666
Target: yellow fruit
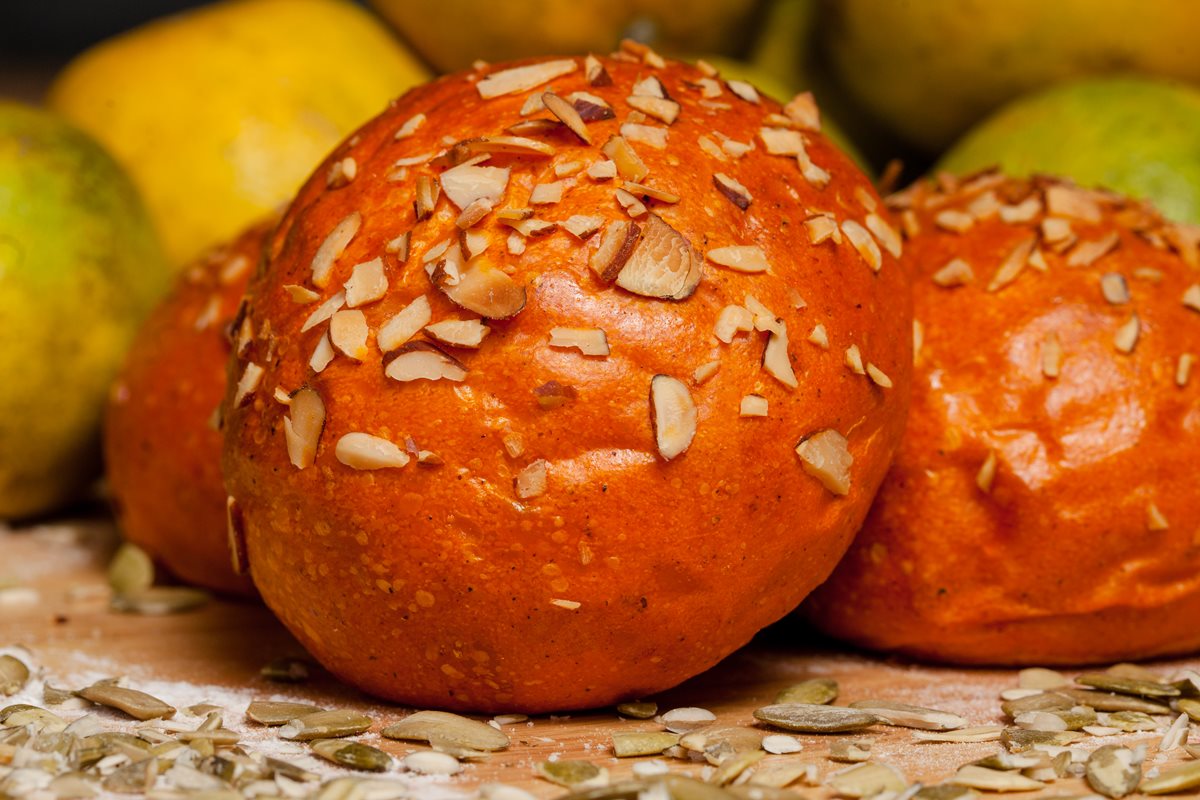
221, 112
79, 268
451, 34
931, 69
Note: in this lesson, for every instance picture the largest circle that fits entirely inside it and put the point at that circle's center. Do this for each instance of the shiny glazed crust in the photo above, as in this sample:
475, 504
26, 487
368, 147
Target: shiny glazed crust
538, 550
162, 446
1043, 508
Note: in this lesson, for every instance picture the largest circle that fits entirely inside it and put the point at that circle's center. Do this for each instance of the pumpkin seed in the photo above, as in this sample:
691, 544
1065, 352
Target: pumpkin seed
981, 733
53, 696
781, 744
815, 691
14, 674
813, 718
1005, 761
289, 770
572, 773
1188, 683
946, 791
450, 729
1041, 678
642, 743
638, 710
866, 780
1177, 779
734, 765
134, 778
160, 600
353, 755
1043, 701
71, 786
272, 713
906, 716
1190, 707
1131, 686
130, 569
44, 721
1111, 771
850, 752
625, 790
285, 670
221, 736
684, 788
686, 719
326, 725
138, 705
1018, 740
1135, 671
1176, 735
779, 774
1104, 701
746, 792
8, 711
1069, 720
1131, 721
994, 780
720, 743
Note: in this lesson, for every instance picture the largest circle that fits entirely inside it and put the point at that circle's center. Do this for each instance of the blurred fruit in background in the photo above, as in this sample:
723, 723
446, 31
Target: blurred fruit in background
929, 70
1138, 136
80, 267
451, 34
220, 112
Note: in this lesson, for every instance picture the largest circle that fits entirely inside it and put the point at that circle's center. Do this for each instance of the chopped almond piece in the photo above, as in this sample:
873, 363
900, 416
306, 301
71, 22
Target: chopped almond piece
1052, 354
822, 227
365, 452
332, 248
1183, 370
342, 173
956, 273
764, 318
546, 193
348, 333
776, 361
1155, 519
753, 405
569, 116
648, 135
516, 244
581, 226
743, 258
595, 72
1012, 266
705, 371
521, 79
324, 311
399, 247
473, 243
1057, 231
1127, 335
712, 148
468, 333
367, 283
629, 165
864, 243
744, 90
426, 197
531, 481
672, 415
878, 376
589, 341
710, 88
819, 336
811, 172
533, 104
248, 384
616, 246
659, 108
322, 354
474, 213
781, 141
514, 214
1114, 288
553, 394
590, 107
730, 321
735, 148
1027, 210
405, 324
802, 110
603, 170
424, 361
885, 234
565, 169
1191, 297
532, 226
512, 145
633, 207
650, 87
986, 477
302, 430
487, 290
825, 455
854, 360
1087, 253
1073, 202
663, 263
734, 191
301, 295
643, 191
467, 183
410, 127
954, 220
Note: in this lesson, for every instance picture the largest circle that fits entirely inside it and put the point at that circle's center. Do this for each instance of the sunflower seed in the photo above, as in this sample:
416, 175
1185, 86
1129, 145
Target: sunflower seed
1130, 721
625, 790
946, 791
1018, 740
325, 725
1041, 678
447, 729
718, 744
130, 569
13, 675
686, 719
867, 780
906, 716
138, 705
53, 696
1069, 720
1176, 735
781, 744
812, 718
431, 762
850, 752
734, 765
134, 778
353, 755
817, 691
572, 773
1190, 707
1045, 701
1111, 771
1135, 671
1137, 687
1006, 761
160, 600
286, 670
1104, 701
272, 713
44, 721
642, 743
277, 767
745, 792
682, 788
1177, 779
778, 774
993, 780
638, 710
1188, 683
982, 733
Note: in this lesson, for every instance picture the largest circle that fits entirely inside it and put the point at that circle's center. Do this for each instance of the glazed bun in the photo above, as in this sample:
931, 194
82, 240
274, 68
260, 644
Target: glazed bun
1043, 508
529, 362
162, 443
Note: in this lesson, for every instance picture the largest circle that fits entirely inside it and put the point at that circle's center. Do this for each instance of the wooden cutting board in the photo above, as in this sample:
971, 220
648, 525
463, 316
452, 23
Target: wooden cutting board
56, 605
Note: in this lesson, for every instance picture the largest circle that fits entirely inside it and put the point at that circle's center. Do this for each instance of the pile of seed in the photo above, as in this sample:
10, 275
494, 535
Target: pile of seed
1056, 730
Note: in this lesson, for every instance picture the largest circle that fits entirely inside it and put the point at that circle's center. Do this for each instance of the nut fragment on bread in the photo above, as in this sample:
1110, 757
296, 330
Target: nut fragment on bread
531, 481
864, 243
302, 429
322, 354
348, 333
1191, 297
734, 191
469, 182
672, 415
405, 324
743, 258
732, 319
705, 371
802, 110
776, 361
324, 311
248, 384
956, 273
663, 263
569, 116
1127, 335
743, 90
628, 164
582, 226
487, 290
1115, 288
986, 476
753, 405
424, 361
553, 394
589, 341
513, 145
616, 246
363, 451
468, 333
366, 284
521, 79
825, 455
661, 108
332, 248
595, 72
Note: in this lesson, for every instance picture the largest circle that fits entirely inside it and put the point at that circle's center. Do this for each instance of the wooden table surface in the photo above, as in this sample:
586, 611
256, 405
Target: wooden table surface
54, 601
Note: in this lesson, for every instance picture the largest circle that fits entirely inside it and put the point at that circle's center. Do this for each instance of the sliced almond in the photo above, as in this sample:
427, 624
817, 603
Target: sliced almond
1183, 370
1085, 254
582, 227
487, 290
776, 361
753, 405
955, 273
367, 283
734, 191
511, 145
781, 141
348, 334
1073, 202
650, 192
743, 90
1127, 335
332, 248
1052, 355
301, 295
661, 109
405, 324
853, 360
819, 336
399, 246
878, 376
802, 110
531, 481
705, 371
595, 72
629, 165
590, 107
248, 384
410, 126
954, 220
885, 234
663, 263
424, 361
602, 170
648, 135
474, 243
1191, 297
864, 243
473, 214
731, 320
986, 477
712, 148
633, 207
468, 333
1013, 265
322, 354
546, 193
672, 415
302, 429
365, 452
825, 455
467, 183
1115, 288
521, 79
616, 246
570, 117
589, 341
426, 197
822, 227
743, 258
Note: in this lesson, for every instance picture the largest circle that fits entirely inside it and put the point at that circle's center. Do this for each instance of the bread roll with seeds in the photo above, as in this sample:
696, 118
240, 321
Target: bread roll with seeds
1043, 508
162, 446
554, 501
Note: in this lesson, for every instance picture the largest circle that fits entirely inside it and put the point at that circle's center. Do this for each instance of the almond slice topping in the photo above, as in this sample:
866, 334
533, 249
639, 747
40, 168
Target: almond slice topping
399, 246
301, 295
487, 290
663, 263
743, 258
616, 246
531, 481
512, 145
424, 361
781, 141
651, 192
363, 451
825, 455
322, 354
732, 320
602, 170
1115, 288
302, 430
546, 193
468, 333
648, 135
1127, 335
367, 283
864, 243
885, 234
1073, 202
568, 115
467, 183
332, 248
595, 72
324, 311
776, 361
405, 324
589, 341
734, 191
581, 226
348, 333
426, 198
955, 273
1013, 265
753, 405
672, 415
822, 227
629, 165
659, 108
744, 90
520, 79
705, 371
248, 384
802, 110
1191, 297
590, 107
410, 127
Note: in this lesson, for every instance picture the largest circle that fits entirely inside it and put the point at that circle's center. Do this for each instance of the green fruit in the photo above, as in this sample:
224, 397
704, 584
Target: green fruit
1137, 136
79, 268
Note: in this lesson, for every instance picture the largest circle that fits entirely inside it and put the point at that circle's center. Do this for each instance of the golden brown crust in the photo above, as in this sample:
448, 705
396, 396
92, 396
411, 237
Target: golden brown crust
463, 581
161, 446
1043, 507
